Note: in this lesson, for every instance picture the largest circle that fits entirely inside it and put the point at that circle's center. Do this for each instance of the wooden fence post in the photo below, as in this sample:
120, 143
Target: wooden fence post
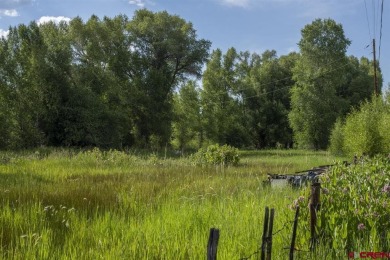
294, 234
265, 232
212, 245
269, 237
314, 208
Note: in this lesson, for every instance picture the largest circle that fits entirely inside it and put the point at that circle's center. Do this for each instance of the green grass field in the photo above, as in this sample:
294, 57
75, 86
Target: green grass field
66, 204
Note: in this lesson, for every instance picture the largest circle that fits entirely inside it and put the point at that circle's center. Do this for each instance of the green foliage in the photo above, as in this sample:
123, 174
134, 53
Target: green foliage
315, 99
217, 155
365, 130
337, 138
104, 82
221, 112
187, 124
112, 83
166, 50
245, 99
271, 83
354, 206
361, 129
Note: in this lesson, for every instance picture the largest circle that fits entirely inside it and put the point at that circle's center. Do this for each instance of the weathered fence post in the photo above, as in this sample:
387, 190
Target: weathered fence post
265, 232
314, 208
212, 245
294, 234
270, 228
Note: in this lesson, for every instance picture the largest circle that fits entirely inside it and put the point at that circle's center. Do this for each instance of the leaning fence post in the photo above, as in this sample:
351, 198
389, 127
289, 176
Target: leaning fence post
265, 232
212, 245
294, 234
271, 224
314, 208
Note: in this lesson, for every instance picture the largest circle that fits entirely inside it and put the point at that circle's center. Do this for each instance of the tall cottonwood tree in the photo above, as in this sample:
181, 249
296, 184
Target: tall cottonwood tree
165, 51
97, 113
23, 84
271, 82
319, 74
187, 124
221, 100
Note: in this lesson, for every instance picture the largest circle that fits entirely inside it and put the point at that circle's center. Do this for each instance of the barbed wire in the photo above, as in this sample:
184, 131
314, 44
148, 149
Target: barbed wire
249, 257
285, 225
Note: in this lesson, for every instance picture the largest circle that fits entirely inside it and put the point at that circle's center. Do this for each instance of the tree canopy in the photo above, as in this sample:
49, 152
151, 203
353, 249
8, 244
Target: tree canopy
325, 88
104, 82
149, 81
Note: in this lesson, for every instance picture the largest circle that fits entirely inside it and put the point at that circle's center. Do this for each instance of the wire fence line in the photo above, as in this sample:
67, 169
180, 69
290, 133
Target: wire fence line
265, 249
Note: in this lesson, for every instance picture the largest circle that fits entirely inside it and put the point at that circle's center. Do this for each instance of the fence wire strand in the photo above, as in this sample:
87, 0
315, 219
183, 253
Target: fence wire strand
285, 225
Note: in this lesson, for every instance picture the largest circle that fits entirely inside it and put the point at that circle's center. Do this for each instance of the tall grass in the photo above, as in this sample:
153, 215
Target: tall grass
112, 205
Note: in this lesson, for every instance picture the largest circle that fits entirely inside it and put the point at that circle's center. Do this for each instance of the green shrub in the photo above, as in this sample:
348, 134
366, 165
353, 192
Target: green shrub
337, 138
216, 154
365, 130
384, 130
354, 206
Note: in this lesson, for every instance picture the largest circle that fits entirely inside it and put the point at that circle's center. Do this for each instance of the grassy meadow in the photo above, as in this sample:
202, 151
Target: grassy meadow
66, 204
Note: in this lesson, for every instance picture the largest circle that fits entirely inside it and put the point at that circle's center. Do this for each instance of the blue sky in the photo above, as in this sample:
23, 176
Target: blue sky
254, 25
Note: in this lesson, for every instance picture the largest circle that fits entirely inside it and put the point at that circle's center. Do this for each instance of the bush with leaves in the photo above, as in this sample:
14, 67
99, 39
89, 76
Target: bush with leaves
216, 155
355, 200
365, 130
337, 138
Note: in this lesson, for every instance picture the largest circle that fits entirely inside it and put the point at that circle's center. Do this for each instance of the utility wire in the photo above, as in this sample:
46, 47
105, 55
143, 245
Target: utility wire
272, 91
368, 21
380, 34
257, 86
373, 16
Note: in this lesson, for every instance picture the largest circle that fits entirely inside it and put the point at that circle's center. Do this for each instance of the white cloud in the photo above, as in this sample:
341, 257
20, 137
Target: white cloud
4, 33
139, 3
9, 12
57, 20
239, 3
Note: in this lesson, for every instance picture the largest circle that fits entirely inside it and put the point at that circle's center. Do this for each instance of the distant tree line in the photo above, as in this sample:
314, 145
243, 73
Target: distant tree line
120, 82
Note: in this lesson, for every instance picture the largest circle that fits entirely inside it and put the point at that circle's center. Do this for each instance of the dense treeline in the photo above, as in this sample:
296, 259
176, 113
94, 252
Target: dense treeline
120, 82
268, 101
103, 83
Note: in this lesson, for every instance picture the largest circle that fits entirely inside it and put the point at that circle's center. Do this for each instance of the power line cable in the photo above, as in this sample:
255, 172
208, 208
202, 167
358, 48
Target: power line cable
272, 91
373, 17
368, 20
286, 78
380, 34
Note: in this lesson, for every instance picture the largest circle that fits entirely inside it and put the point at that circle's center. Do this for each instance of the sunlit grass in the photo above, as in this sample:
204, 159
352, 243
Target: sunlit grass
111, 205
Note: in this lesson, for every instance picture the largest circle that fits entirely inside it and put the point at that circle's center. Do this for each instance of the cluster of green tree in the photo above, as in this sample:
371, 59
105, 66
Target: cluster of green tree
105, 83
328, 83
244, 101
267, 101
365, 130
115, 82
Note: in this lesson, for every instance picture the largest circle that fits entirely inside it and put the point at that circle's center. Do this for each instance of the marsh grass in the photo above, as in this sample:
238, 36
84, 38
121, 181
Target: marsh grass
64, 204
